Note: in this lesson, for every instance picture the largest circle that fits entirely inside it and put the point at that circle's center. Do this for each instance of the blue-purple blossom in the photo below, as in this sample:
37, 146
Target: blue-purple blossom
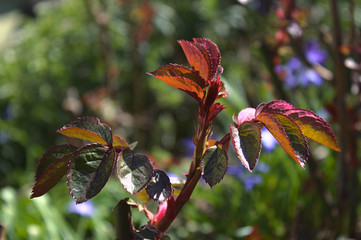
296, 73
268, 140
314, 53
188, 146
249, 179
85, 209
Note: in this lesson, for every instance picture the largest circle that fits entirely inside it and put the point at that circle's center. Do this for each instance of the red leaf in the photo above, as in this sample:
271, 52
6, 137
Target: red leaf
178, 77
196, 57
314, 127
210, 50
288, 134
51, 168
273, 107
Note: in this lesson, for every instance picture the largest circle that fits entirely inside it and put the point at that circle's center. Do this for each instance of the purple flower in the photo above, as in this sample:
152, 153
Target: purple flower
85, 209
314, 54
189, 146
249, 179
252, 180
268, 140
295, 73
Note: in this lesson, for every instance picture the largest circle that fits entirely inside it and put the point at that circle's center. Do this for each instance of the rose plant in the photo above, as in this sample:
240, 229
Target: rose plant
88, 167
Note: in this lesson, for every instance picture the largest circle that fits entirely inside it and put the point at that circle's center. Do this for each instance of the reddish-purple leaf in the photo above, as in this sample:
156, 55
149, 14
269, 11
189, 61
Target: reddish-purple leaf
314, 127
196, 58
210, 50
288, 134
246, 140
89, 170
172, 75
246, 114
51, 168
90, 129
277, 106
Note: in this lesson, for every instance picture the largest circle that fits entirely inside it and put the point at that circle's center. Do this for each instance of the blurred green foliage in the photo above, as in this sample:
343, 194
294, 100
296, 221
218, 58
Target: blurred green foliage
82, 57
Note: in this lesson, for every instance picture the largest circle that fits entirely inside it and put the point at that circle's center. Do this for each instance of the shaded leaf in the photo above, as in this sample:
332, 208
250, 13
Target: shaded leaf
134, 171
168, 75
246, 140
146, 232
214, 165
314, 127
159, 187
51, 168
89, 171
196, 58
288, 134
90, 129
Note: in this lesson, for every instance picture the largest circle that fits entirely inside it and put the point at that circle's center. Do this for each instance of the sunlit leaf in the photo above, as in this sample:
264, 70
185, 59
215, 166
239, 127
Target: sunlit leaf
211, 50
134, 171
159, 187
51, 168
89, 171
314, 127
196, 58
214, 165
246, 140
90, 129
246, 114
119, 143
277, 106
168, 75
288, 134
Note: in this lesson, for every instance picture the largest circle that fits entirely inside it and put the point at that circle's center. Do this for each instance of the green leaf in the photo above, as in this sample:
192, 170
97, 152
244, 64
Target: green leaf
90, 129
159, 187
51, 168
246, 140
288, 134
90, 170
134, 171
214, 164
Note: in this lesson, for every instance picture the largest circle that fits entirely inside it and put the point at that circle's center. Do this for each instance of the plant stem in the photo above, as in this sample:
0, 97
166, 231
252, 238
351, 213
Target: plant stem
193, 176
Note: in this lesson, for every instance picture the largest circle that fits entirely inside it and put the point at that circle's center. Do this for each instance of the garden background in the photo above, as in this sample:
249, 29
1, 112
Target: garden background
63, 59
